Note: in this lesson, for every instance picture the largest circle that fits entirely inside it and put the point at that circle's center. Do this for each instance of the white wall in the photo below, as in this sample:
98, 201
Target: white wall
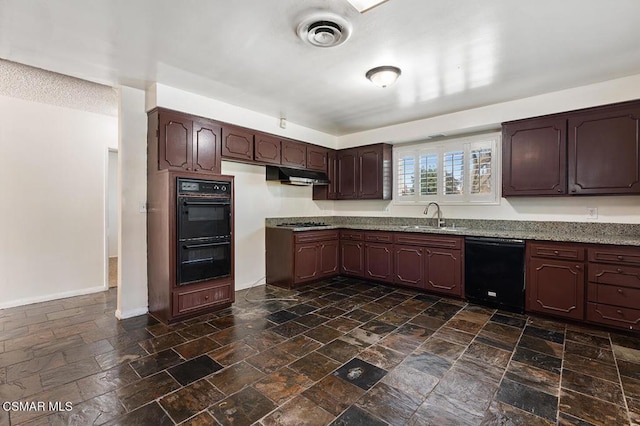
621, 209
132, 185
256, 199
52, 220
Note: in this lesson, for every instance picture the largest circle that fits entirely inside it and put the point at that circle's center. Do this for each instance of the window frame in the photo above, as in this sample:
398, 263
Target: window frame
466, 144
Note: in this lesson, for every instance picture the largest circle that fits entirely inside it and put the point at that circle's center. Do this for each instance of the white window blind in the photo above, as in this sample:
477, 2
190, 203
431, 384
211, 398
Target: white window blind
457, 171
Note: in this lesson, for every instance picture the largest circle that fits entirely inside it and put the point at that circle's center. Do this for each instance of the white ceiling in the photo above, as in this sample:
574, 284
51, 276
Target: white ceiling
454, 54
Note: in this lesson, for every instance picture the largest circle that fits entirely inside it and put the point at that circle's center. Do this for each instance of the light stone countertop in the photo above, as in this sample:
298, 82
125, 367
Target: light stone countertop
616, 234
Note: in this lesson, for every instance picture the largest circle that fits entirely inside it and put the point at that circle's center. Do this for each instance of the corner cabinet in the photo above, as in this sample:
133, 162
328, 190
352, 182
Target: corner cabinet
586, 152
555, 279
181, 142
364, 173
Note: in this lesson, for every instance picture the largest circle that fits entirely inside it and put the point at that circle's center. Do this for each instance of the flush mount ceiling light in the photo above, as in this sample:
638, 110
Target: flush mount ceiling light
383, 76
364, 5
324, 29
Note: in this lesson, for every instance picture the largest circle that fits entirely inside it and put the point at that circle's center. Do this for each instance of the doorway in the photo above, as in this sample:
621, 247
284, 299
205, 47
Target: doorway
112, 218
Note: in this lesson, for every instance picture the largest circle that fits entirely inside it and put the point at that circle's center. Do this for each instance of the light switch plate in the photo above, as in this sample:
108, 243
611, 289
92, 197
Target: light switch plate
143, 206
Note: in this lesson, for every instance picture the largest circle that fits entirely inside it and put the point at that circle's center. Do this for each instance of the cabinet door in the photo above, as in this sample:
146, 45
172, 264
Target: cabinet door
328, 192
328, 262
370, 172
267, 149
294, 154
534, 159
174, 142
604, 151
408, 265
348, 172
306, 262
317, 158
352, 258
206, 146
378, 262
555, 287
443, 271
237, 143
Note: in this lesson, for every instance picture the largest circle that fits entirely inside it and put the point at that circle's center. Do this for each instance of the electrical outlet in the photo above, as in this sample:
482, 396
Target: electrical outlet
592, 213
143, 207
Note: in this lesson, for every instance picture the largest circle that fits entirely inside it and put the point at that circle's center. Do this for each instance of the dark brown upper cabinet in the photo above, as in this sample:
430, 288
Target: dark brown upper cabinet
237, 143
317, 158
294, 154
364, 173
348, 172
267, 149
328, 192
604, 148
184, 142
534, 159
585, 152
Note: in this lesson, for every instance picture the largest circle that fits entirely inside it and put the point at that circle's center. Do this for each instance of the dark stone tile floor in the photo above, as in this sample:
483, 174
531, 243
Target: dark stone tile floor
344, 352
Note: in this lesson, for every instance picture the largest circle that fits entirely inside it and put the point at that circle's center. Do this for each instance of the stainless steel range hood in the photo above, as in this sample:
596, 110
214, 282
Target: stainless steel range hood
291, 176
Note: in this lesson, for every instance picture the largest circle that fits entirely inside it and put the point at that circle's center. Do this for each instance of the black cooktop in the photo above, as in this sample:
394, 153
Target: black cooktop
302, 224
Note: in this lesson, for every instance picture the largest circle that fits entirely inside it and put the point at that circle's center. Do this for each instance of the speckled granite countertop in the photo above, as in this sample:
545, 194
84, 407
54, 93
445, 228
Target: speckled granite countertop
580, 232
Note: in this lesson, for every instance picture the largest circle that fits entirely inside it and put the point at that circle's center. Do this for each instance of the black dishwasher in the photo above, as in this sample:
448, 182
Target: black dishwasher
494, 272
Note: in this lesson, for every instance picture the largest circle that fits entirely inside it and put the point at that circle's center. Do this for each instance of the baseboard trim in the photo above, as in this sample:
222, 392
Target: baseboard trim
50, 297
131, 313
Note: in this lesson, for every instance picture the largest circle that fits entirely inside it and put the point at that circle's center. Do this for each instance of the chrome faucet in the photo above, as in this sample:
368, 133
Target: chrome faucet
438, 213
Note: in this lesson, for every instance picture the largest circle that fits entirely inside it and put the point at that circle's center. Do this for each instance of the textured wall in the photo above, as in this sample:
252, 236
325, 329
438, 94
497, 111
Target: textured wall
38, 85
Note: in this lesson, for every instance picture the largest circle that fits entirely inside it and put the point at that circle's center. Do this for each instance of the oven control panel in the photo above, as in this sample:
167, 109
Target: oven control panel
203, 187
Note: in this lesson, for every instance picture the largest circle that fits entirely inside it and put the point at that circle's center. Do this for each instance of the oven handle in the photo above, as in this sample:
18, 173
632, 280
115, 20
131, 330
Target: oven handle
206, 203
192, 246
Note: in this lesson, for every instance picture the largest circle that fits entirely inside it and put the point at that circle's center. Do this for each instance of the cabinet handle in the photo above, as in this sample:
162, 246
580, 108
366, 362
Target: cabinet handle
619, 270
206, 298
578, 267
559, 189
619, 312
574, 190
195, 170
620, 291
620, 257
556, 252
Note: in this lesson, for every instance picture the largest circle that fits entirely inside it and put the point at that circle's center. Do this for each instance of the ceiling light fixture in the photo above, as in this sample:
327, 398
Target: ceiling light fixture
383, 76
364, 5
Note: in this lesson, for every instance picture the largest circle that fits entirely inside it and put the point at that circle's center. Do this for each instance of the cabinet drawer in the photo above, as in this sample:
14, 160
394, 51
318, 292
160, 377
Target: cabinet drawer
556, 251
613, 315
188, 301
614, 295
380, 237
311, 236
617, 255
621, 275
351, 235
430, 240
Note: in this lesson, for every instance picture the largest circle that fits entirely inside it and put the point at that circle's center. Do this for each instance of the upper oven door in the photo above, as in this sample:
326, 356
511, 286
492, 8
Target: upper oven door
202, 218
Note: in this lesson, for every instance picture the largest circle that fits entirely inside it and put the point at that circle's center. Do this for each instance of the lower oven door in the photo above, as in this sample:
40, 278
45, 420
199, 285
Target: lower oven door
203, 260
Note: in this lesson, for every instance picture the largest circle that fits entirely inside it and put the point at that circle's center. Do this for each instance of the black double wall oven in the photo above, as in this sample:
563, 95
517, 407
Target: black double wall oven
204, 215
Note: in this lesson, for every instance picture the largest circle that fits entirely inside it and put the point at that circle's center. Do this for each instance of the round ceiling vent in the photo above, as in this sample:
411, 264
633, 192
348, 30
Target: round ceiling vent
324, 29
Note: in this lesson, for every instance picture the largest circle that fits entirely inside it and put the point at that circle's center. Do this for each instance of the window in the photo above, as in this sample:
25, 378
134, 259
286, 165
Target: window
457, 171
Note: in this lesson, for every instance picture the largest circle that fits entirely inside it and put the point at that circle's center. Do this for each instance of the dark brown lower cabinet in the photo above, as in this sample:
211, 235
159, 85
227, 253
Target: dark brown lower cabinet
613, 289
294, 258
378, 262
352, 258
555, 287
408, 265
443, 271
